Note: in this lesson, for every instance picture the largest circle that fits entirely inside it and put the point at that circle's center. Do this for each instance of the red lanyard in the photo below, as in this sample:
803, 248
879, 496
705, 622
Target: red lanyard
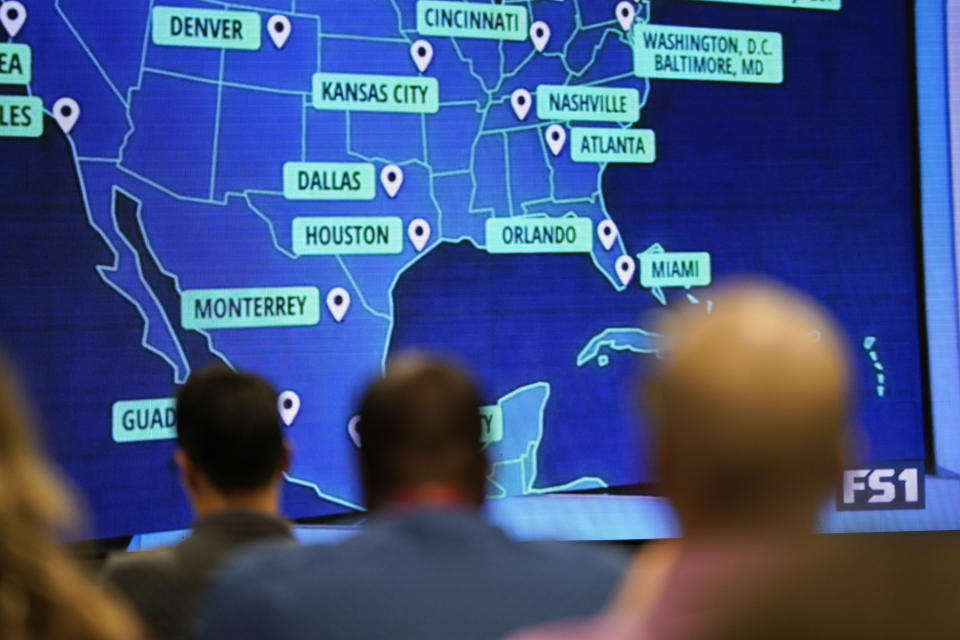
440, 496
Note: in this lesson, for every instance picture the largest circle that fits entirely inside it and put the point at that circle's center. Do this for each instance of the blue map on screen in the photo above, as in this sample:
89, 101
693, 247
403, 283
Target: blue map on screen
301, 188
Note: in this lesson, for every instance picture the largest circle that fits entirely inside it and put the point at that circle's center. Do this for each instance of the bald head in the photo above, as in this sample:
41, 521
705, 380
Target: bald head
420, 427
750, 408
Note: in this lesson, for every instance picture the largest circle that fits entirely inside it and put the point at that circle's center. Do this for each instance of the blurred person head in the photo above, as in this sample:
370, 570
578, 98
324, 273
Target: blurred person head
750, 408
232, 452
420, 433
43, 594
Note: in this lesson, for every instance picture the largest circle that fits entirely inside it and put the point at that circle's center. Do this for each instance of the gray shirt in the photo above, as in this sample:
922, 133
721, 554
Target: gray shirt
167, 586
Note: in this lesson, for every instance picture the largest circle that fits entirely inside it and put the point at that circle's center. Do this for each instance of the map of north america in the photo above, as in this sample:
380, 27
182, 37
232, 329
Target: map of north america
181, 153
302, 190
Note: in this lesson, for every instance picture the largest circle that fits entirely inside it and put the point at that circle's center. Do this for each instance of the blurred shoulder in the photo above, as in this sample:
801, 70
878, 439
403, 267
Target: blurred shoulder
264, 561
249, 596
578, 556
606, 626
122, 568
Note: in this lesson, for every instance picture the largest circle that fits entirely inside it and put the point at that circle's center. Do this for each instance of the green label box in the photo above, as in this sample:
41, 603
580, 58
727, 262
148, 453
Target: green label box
688, 269
472, 20
491, 421
187, 27
144, 420
826, 5
568, 234
592, 144
366, 92
594, 104
720, 55
329, 181
250, 308
21, 117
16, 63
360, 235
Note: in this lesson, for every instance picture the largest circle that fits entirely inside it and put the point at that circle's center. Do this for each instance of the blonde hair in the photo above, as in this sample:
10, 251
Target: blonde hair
43, 593
750, 403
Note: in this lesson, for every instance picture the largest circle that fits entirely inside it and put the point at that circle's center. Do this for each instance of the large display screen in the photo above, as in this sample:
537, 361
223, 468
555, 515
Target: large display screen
301, 188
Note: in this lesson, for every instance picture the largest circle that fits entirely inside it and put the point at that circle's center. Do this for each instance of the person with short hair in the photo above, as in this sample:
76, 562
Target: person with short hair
750, 413
43, 593
427, 566
232, 455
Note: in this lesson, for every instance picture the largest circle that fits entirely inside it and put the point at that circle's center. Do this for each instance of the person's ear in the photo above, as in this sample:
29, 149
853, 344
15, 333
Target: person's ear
481, 469
848, 453
189, 475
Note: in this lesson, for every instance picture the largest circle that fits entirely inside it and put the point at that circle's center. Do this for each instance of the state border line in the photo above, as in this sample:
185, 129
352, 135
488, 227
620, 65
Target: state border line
89, 52
483, 110
182, 370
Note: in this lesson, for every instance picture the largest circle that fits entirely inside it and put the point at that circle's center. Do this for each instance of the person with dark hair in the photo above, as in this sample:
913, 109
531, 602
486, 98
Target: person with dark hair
420, 433
231, 455
426, 566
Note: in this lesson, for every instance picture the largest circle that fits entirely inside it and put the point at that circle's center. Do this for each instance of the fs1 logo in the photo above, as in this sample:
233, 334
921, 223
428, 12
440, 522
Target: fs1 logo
898, 486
